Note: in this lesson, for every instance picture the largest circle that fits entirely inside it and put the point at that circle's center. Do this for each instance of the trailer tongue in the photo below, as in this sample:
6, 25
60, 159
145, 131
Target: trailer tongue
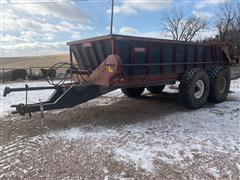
66, 96
106, 63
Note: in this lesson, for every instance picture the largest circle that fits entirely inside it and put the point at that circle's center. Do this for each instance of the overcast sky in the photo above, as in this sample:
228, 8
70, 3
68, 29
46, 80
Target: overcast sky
31, 27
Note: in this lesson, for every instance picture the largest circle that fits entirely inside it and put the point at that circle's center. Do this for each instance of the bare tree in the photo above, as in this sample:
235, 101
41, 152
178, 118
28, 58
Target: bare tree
183, 28
236, 30
228, 24
236, 20
225, 22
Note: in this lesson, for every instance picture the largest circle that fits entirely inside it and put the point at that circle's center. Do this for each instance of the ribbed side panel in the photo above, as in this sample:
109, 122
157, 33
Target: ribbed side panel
165, 58
91, 54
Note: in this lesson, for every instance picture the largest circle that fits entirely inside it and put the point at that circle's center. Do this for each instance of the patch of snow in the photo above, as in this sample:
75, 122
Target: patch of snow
19, 97
238, 166
171, 88
180, 135
172, 138
106, 99
136, 153
11, 151
213, 171
43, 95
81, 133
122, 176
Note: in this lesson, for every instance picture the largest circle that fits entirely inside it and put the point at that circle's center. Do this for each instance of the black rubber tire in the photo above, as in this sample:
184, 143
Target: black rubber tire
187, 88
133, 92
155, 89
217, 93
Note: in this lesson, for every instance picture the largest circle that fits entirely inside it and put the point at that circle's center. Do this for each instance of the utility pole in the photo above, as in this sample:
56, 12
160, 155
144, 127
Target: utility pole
111, 26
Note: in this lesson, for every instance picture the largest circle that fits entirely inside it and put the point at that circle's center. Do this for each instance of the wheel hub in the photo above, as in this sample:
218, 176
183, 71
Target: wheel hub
199, 89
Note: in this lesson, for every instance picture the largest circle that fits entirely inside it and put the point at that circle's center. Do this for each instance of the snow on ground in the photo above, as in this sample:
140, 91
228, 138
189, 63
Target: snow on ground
42, 95
177, 137
106, 99
19, 97
78, 133
170, 135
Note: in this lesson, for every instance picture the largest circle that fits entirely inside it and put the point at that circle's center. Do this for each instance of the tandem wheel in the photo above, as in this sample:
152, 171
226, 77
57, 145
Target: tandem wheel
220, 79
194, 88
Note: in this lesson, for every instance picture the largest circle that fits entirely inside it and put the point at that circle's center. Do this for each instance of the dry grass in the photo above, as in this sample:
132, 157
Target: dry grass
31, 61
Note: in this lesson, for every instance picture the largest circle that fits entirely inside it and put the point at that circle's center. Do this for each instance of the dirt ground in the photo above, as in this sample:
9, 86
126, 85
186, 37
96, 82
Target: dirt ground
115, 137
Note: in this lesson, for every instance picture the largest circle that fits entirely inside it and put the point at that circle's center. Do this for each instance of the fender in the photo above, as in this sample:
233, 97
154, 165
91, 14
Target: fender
108, 69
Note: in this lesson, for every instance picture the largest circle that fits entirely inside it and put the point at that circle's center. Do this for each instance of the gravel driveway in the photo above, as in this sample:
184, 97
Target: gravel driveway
114, 137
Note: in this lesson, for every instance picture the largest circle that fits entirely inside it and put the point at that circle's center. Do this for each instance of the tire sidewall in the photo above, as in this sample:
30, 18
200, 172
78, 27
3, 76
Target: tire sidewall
198, 102
219, 97
187, 85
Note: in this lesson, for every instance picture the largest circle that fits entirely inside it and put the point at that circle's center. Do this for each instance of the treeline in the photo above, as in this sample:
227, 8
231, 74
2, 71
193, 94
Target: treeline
182, 27
228, 25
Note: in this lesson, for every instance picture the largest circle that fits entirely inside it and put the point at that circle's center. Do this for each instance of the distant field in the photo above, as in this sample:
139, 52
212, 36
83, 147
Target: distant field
49, 60
26, 62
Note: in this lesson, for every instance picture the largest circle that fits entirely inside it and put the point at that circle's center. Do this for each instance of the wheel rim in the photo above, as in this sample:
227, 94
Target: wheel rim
222, 84
199, 89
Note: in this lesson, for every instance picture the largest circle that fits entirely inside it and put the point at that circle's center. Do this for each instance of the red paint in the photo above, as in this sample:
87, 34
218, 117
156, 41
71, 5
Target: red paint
145, 80
113, 46
108, 69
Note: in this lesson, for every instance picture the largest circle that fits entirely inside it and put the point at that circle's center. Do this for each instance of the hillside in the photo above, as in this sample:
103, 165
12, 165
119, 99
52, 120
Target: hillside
49, 60
30, 61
